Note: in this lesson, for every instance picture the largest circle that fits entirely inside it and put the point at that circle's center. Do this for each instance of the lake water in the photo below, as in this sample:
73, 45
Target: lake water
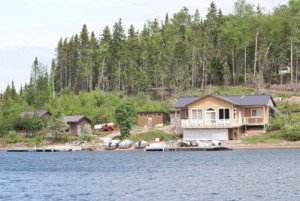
261, 174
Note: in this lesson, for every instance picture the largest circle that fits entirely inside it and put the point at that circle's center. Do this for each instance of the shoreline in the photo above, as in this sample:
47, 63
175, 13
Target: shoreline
93, 148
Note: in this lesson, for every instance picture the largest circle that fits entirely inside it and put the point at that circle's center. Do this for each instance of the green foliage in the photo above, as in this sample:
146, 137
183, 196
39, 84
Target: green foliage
151, 135
58, 124
125, 117
276, 123
272, 137
27, 123
12, 137
232, 90
288, 128
86, 134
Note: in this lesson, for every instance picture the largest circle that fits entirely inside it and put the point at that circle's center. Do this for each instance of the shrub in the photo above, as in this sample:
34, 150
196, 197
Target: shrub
12, 137
276, 123
291, 132
86, 134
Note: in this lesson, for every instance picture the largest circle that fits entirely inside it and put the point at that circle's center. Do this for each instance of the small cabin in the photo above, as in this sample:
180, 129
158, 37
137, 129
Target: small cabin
150, 119
36, 113
76, 124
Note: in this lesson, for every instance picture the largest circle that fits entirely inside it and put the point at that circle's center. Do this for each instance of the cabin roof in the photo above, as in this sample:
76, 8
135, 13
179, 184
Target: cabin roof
38, 113
74, 119
250, 100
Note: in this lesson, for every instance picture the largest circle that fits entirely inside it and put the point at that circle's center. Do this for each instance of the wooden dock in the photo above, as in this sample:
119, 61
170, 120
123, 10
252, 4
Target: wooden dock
210, 148
35, 150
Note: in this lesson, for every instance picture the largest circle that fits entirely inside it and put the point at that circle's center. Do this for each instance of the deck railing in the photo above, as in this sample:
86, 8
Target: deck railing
221, 123
209, 123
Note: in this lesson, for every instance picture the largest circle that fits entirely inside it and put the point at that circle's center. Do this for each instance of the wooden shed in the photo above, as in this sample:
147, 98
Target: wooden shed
77, 123
152, 118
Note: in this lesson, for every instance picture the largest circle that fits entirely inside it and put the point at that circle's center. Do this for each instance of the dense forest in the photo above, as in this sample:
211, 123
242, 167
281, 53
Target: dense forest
91, 74
184, 51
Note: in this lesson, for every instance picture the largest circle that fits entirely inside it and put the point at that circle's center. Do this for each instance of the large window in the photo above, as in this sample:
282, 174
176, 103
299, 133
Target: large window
258, 112
210, 116
196, 114
223, 113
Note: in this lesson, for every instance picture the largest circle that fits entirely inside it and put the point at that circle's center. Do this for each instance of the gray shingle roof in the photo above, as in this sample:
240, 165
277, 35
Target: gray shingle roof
251, 100
182, 102
38, 113
72, 119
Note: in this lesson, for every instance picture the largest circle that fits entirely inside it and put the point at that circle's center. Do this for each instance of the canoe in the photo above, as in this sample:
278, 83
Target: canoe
140, 144
125, 144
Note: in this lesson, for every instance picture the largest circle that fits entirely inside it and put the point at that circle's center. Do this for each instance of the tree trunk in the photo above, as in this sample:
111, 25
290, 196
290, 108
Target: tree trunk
193, 68
233, 68
291, 62
245, 64
255, 54
203, 75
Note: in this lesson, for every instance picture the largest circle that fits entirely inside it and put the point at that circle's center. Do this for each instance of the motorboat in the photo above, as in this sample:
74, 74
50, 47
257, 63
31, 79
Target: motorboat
125, 144
202, 144
140, 144
216, 142
112, 144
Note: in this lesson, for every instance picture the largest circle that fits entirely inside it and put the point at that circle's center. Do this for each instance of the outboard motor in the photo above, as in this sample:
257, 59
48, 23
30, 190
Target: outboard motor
216, 143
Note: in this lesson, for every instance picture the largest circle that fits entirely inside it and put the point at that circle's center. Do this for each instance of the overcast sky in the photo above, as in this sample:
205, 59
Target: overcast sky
32, 28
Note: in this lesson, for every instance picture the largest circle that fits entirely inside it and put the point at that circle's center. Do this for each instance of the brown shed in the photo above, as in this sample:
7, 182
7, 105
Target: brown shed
152, 118
77, 123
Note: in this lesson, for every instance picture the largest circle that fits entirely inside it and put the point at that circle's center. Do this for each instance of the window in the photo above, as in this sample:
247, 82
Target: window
223, 113
256, 112
210, 116
196, 114
186, 114
234, 113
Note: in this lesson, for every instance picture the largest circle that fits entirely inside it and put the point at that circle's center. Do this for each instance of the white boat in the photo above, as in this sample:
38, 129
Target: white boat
201, 143
217, 143
125, 144
140, 144
112, 144
156, 147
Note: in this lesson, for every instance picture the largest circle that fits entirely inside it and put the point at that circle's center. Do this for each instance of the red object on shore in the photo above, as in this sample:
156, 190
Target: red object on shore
107, 127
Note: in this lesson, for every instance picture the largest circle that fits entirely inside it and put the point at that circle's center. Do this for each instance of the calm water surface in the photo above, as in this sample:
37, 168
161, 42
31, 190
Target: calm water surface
262, 174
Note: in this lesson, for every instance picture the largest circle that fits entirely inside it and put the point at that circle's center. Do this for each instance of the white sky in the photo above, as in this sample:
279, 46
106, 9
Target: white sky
31, 28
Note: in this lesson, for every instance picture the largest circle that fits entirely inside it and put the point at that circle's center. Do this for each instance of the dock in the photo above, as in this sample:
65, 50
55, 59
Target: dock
34, 150
210, 148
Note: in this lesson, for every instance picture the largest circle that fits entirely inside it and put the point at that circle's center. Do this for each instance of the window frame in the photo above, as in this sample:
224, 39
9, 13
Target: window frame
253, 109
224, 114
197, 114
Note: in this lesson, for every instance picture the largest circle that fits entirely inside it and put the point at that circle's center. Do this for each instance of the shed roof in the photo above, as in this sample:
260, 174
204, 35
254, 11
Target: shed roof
74, 119
38, 113
250, 100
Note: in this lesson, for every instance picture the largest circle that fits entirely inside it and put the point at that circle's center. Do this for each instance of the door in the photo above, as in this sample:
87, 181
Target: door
205, 134
150, 121
78, 129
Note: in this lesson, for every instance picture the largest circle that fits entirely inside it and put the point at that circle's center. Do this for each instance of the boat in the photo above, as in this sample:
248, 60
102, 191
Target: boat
216, 142
125, 144
140, 144
156, 147
202, 144
112, 144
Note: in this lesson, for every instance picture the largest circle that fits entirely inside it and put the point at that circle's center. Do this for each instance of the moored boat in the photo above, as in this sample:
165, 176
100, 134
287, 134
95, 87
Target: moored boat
140, 144
112, 144
125, 144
